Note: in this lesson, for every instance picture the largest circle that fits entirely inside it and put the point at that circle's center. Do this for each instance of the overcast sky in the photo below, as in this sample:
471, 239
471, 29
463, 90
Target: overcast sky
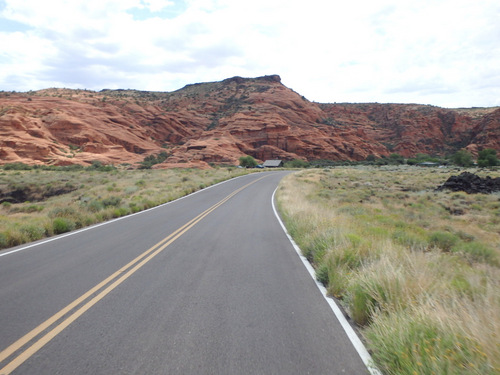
439, 52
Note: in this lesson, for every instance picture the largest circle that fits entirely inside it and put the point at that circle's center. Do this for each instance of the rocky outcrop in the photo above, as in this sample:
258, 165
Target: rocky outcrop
471, 184
218, 122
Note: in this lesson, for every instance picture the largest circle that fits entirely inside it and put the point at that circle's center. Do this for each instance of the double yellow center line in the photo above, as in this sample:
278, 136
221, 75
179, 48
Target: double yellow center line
94, 295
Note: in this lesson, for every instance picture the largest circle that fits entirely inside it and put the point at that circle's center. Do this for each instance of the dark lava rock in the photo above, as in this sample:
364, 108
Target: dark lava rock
471, 184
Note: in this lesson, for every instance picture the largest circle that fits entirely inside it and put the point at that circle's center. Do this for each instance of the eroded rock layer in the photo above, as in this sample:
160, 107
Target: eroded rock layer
218, 122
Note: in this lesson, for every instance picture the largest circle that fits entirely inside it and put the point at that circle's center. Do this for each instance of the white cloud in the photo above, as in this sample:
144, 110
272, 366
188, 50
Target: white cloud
438, 52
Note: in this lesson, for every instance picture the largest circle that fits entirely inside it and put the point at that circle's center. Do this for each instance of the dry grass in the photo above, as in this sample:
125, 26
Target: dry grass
97, 196
416, 268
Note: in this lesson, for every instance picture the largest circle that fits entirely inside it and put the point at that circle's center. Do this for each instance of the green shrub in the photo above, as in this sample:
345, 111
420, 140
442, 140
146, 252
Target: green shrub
17, 167
111, 201
32, 232
120, 211
133, 207
322, 274
95, 206
62, 225
151, 160
478, 252
67, 212
131, 190
33, 208
3, 240
443, 240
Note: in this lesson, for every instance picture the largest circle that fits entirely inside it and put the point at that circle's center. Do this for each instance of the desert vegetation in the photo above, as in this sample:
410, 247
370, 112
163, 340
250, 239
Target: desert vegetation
415, 268
40, 202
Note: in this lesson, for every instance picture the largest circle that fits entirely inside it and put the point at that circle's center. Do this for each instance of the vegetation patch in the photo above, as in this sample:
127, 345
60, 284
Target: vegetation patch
417, 269
72, 198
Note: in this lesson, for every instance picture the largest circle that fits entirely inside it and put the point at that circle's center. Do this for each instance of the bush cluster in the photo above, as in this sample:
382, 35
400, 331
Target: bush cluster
151, 160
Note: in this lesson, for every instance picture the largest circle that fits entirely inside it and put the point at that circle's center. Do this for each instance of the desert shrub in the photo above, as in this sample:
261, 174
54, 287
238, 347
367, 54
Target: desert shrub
17, 167
62, 225
100, 167
120, 211
151, 160
32, 208
67, 212
32, 232
478, 252
3, 240
111, 201
443, 240
131, 189
95, 205
133, 207
14, 237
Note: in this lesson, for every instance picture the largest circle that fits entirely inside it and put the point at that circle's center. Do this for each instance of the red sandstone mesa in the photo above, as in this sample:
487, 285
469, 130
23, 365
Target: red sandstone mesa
218, 122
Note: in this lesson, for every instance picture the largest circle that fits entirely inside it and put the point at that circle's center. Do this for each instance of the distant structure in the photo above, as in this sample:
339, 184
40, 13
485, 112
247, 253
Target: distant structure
273, 163
428, 164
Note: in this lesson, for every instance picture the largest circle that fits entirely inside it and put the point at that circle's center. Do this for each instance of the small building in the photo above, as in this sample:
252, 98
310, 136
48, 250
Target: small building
428, 164
273, 164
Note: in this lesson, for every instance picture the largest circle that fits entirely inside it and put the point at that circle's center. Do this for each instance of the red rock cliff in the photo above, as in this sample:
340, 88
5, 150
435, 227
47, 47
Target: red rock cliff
220, 121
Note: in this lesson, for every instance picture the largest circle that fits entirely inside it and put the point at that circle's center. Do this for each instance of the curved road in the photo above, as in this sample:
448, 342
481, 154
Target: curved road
208, 284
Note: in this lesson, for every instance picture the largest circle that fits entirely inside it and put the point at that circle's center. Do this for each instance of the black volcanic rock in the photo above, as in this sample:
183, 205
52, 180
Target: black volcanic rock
471, 184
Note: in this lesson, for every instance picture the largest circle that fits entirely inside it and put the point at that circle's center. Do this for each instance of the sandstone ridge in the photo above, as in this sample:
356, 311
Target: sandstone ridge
217, 122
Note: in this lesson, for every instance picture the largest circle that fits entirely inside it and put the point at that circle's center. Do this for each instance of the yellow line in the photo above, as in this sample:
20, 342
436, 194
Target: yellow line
132, 267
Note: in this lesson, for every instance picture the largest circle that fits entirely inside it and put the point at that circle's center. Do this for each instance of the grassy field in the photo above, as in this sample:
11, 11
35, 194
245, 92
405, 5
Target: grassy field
54, 202
417, 270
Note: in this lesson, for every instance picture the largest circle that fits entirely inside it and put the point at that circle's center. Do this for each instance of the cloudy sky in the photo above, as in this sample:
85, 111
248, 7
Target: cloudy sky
439, 52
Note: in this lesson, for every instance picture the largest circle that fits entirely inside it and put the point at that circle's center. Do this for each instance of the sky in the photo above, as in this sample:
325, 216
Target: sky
439, 52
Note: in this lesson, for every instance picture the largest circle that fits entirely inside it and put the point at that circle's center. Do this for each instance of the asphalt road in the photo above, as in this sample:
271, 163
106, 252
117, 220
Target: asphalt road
208, 284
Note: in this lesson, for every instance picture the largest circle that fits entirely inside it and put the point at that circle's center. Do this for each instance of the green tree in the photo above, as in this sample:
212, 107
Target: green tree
463, 158
247, 161
396, 159
296, 163
487, 158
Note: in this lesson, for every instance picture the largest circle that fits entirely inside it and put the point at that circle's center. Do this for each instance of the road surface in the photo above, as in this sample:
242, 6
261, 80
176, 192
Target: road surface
208, 284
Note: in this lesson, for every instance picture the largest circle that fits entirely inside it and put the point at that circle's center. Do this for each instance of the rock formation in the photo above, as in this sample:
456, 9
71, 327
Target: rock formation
218, 122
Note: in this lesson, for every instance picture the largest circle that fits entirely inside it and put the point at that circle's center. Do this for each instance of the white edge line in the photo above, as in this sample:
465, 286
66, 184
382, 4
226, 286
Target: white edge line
55, 238
355, 340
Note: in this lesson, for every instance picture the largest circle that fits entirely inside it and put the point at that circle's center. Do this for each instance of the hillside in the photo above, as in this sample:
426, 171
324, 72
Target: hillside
218, 122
